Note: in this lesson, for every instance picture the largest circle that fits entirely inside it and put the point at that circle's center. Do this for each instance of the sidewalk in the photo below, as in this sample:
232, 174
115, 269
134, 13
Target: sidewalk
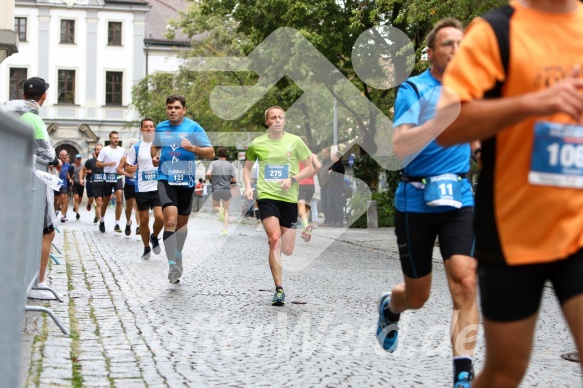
130, 328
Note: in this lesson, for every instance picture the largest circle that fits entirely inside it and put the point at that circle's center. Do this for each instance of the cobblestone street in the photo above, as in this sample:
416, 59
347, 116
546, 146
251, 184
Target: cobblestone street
131, 328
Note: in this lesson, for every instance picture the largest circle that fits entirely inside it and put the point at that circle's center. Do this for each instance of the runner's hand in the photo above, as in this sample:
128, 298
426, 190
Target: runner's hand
156, 161
248, 195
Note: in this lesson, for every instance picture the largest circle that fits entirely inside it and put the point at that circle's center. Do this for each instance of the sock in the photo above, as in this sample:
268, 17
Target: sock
146, 249
170, 245
102, 221
391, 316
461, 364
181, 238
304, 223
278, 288
129, 223
117, 222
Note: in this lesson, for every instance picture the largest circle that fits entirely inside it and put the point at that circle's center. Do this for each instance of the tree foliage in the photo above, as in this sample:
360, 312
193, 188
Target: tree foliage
230, 28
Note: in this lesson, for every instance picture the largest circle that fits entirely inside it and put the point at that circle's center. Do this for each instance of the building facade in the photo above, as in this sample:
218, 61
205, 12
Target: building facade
91, 52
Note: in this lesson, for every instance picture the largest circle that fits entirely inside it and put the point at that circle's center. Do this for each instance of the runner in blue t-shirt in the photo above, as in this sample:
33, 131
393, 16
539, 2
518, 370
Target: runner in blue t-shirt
176, 144
434, 199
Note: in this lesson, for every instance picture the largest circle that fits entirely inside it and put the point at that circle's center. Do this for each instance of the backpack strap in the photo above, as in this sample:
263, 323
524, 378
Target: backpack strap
499, 20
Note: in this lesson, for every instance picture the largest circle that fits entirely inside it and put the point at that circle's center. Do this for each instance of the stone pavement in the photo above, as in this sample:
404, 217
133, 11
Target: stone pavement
130, 328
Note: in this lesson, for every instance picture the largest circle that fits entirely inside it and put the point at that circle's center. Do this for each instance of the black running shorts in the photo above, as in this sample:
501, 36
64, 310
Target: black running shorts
510, 293
78, 189
110, 187
129, 191
178, 196
416, 234
89, 187
147, 200
286, 212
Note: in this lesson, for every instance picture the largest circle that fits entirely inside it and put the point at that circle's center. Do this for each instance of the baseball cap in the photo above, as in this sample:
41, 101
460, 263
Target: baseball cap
35, 86
78, 156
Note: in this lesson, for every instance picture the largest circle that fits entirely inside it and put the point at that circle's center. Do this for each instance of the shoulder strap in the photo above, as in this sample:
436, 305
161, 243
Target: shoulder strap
499, 20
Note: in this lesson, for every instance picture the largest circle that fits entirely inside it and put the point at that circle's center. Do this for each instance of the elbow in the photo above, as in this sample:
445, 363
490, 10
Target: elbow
446, 138
399, 151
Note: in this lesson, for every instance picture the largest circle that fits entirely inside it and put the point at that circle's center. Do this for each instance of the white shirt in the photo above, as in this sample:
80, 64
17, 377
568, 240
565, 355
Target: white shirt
108, 155
146, 171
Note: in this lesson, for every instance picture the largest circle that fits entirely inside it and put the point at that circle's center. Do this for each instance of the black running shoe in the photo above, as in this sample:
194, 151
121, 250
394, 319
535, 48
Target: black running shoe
147, 253
128, 230
102, 227
117, 229
95, 220
156, 245
137, 230
78, 216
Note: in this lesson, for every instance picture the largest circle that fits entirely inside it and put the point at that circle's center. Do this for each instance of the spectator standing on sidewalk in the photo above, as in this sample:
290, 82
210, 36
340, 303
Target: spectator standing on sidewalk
34, 94
335, 192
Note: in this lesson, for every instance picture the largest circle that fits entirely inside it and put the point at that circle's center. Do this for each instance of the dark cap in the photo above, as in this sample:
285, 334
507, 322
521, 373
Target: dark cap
35, 86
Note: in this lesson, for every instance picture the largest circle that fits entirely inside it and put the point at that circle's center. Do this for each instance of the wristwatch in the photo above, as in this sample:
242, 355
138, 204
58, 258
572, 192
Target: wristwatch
293, 180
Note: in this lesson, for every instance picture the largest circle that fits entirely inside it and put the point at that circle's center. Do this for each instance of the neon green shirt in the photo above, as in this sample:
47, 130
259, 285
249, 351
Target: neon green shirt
37, 124
278, 159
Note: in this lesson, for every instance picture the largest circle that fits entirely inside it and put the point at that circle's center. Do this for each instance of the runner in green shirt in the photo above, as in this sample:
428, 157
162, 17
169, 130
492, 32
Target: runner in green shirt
279, 154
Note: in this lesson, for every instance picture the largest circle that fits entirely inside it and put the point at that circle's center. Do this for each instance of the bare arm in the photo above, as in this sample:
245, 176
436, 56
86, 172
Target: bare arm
155, 153
247, 179
81, 176
316, 163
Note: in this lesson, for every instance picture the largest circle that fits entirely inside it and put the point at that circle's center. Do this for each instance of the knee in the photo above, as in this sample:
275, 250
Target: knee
288, 251
463, 288
170, 224
144, 219
274, 240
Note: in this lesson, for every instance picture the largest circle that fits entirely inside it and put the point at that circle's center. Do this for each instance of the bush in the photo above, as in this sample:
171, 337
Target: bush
385, 209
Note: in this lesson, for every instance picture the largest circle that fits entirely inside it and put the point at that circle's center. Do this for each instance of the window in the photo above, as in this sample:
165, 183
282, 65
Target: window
20, 28
114, 33
17, 78
66, 87
113, 87
67, 31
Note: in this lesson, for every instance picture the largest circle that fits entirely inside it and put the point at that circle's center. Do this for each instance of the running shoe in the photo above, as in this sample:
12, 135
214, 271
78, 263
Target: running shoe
259, 228
78, 216
102, 227
174, 272
307, 233
178, 258
147, 253
116, 228
221, 214
128, 230
137, 230
225, 232
95, 220
464, 380
155, 244
387, 332
278, 298
63, 219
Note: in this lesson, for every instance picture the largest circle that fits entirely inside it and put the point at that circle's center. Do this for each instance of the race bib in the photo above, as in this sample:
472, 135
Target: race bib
443, 190
98, 178
150, 175
557, 155
275, 172
111, 177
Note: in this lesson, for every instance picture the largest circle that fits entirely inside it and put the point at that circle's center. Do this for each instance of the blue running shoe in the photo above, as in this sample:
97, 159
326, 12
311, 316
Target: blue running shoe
387, 332
464, 380
278, 298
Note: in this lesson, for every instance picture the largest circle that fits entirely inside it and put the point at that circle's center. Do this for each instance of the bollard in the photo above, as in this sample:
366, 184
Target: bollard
16, 154
372, 217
